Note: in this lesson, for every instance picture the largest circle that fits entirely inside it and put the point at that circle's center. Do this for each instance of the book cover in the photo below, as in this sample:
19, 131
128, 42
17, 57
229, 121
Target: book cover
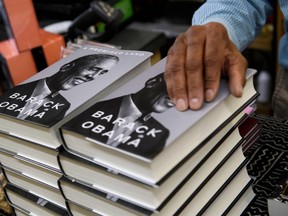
214, 186
213, 189
34, 109
30, 151
32, 203
42, 174
151, 197
135, 129
34, 186
76, 209
239, 205
96, 200
222, 201
19, 211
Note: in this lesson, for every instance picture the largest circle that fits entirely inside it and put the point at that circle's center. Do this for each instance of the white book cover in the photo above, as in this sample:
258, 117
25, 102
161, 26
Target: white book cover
135, 129
34, 109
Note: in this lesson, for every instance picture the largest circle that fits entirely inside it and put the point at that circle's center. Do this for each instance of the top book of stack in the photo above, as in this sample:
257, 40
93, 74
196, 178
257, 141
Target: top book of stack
35, 109
136, 131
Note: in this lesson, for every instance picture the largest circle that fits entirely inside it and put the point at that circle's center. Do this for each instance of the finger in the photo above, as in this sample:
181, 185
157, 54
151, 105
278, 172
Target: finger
194, 66
213, 58
176, 71
236, 66
167, 74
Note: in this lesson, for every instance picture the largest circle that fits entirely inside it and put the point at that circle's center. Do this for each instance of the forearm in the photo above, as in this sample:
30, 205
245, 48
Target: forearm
243, 19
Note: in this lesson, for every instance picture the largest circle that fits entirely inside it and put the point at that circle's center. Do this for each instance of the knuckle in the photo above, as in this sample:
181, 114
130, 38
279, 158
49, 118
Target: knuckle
193, 65
195, 29
217, 32
210, 61
179, 90
180, 38
167, 76
210, 81
194, 84
196, 35
195, 41
175, 68
194, 87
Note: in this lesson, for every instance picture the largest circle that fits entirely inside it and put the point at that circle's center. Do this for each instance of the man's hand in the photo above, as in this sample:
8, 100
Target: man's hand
196, 62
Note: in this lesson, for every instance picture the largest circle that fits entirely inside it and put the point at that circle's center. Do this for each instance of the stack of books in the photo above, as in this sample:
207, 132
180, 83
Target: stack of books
32, 112
133, 153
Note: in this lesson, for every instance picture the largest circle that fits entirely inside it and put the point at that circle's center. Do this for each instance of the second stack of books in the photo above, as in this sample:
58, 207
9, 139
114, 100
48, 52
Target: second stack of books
133, 153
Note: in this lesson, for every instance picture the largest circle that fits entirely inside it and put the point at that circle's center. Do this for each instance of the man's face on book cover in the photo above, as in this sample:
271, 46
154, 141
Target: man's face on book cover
157, 94
79, 74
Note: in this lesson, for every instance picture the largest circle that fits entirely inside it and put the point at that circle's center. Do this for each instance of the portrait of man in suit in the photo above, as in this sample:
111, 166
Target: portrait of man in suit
127, 123
41, 101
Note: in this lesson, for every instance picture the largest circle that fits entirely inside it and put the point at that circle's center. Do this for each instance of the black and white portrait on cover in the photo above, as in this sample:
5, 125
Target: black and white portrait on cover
126, 122
40, 101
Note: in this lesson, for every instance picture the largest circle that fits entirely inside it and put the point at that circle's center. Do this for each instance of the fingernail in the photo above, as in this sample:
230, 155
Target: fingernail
209, 94
195, 103
181, 104
238, 91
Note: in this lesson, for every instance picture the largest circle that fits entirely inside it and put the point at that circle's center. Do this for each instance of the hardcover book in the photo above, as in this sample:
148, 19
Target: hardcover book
135, 129
225, 198
77, 210
108, 204
239, 205
38, 188
151, 197
13, 162
32, 204
34, 109
30, 151
211, 189
97, 201
20, 212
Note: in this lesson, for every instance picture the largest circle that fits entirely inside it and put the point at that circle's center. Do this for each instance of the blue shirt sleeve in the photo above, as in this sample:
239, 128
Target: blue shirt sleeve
243, 19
